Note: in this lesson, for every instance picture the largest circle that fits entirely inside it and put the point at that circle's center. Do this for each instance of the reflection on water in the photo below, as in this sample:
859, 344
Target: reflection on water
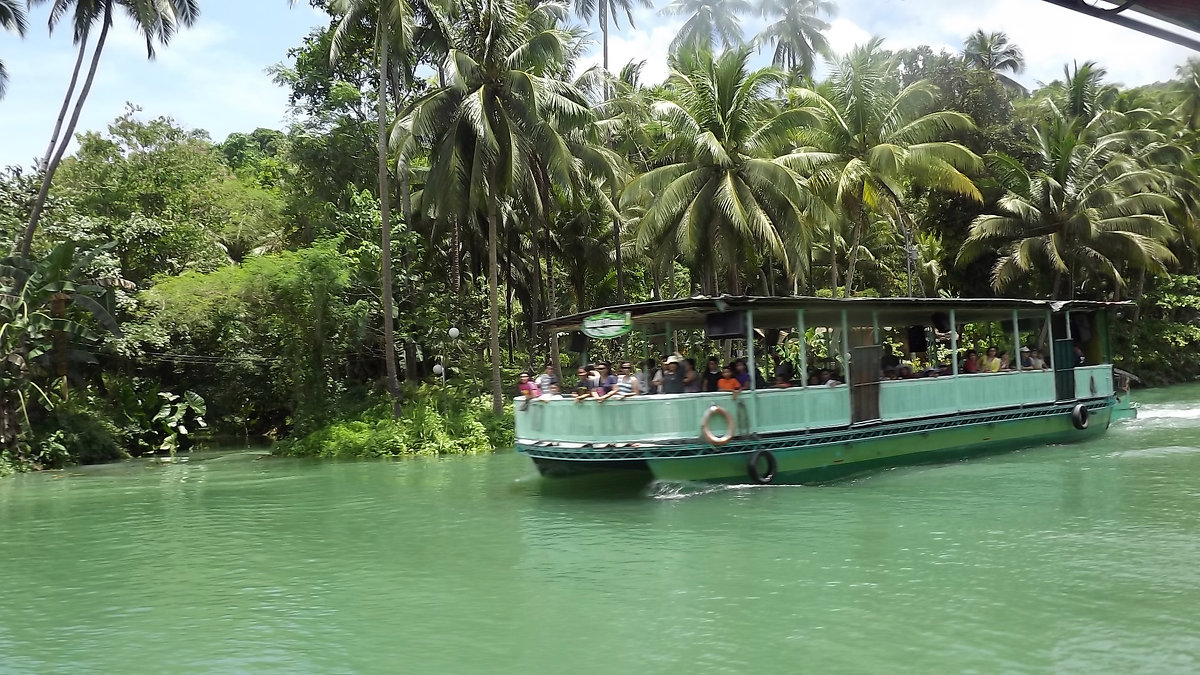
1070, 558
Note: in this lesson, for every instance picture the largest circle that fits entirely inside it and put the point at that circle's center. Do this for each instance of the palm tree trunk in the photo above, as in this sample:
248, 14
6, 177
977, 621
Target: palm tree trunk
48, 175
604, 38
494, 296
66, 105
833, 270
617, 260
385, 227
535, 296
855, 240
551, 298
455, 256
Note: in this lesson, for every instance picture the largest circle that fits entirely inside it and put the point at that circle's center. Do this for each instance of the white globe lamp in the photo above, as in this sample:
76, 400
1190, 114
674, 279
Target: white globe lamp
454, 333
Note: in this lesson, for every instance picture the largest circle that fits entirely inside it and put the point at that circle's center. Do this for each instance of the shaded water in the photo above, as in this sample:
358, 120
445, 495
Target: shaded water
1066, 559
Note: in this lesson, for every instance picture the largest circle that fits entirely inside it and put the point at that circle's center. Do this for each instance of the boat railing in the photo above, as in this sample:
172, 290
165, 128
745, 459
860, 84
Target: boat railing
673, 417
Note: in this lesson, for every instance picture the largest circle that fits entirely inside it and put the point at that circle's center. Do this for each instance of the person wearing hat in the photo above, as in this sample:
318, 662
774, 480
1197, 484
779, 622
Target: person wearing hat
1026, 358
672, 379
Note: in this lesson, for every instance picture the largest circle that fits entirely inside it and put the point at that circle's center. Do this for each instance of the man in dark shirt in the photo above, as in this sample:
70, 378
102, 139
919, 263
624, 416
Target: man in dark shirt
711, 376
672, 379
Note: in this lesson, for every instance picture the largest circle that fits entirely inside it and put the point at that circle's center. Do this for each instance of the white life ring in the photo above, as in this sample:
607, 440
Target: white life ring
707, 433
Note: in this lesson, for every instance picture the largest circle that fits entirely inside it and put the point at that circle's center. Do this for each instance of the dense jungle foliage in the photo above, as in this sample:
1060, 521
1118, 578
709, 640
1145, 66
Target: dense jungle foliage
451, 166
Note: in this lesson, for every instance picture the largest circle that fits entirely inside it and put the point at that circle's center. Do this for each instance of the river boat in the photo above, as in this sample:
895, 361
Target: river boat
812, 433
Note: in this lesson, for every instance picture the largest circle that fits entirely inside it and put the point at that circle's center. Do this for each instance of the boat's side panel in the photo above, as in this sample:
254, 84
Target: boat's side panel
817, 463
1093, 381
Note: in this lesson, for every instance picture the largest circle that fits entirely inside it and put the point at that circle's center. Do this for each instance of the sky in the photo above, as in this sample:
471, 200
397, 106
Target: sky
214, 75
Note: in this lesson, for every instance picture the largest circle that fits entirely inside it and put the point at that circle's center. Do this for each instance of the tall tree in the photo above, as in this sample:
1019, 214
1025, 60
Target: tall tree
604, 10
501, 104
876, 139
796, 33
1086, 212
12, 17
994, 53
156, 20
707, 22
393, 32
724, 193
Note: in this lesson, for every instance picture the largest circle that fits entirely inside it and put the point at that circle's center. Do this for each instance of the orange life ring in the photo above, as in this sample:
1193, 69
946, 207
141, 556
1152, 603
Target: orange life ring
707, 433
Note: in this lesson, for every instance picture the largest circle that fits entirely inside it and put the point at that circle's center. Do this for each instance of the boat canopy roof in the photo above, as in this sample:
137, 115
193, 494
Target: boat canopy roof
780, 311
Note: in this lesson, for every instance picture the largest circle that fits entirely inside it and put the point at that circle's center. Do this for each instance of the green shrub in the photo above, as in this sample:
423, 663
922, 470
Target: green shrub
432, 422
70, 435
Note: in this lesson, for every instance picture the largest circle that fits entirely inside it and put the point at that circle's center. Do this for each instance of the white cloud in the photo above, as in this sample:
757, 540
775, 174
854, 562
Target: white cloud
845, 35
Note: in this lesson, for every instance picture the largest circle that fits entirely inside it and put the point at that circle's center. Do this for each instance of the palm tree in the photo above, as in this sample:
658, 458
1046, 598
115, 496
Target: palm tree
708, 20
12, 17
156, 20
875, 140
1188, 91
603, 9
1087, 211
797, 33
500, 106
994, 53
723, 191
393, 32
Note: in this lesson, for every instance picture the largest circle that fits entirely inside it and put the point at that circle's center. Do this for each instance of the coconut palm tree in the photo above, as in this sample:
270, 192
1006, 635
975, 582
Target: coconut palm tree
994, 53
1087, 211
156, 20
393, 21
604, 10
875, 140
797, 33
500, 106
12, 17
708, 21
1188, 90
722, 193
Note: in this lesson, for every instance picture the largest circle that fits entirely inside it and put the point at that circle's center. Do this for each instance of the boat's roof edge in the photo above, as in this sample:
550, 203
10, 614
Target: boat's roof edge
706, 304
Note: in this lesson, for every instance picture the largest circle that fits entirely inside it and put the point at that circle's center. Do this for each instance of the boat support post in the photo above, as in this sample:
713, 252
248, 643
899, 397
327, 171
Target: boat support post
954, 358
846, 346
753, 368
1016, 341
803, 347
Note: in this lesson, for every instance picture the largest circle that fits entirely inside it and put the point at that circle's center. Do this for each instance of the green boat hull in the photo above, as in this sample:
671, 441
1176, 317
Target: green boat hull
830, 455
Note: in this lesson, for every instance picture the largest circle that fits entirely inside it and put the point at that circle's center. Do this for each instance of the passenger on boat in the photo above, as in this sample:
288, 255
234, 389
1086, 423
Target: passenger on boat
1005, 363
971, 364
586, 385
1080, 357
742, 373
547, 378
781, 382
711, 376
627, 384
645, 376
814, 380
905, 372
672, 379
691, 379
608, 381
890, 373
991, 362
551, 394
1036, 359
728, 381
528, 388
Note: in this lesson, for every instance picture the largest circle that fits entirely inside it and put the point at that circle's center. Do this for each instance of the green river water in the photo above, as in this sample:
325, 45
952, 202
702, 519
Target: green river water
1073, 559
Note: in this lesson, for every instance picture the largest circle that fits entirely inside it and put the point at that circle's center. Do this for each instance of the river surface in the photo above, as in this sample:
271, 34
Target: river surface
1072, 559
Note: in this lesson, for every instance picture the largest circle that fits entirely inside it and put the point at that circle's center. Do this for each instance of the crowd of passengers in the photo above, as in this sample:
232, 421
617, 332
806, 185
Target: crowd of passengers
679, 375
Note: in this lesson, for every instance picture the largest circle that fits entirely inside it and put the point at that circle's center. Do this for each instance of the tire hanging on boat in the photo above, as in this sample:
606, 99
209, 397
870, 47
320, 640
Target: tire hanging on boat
1079, 417
752, 467
708, 434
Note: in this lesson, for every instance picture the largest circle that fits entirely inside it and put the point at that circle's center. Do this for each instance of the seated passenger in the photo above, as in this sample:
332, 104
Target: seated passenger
991, 361
890, 373
528, 388
728, 381
627, 384
588, 380
1005, 363
971, 364
711, 376
1026, 358
781, 382
906, 372
1035, 357
552, 394
814, 380
742, 373
1080, 358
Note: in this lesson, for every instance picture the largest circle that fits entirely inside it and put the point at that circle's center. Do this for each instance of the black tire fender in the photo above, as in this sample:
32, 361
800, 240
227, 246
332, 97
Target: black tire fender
752, 467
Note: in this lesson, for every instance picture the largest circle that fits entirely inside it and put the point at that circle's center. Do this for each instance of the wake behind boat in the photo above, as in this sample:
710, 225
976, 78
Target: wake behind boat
945, 393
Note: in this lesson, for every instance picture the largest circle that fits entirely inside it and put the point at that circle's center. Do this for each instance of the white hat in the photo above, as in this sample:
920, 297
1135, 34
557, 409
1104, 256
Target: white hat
1024, 349
674, 359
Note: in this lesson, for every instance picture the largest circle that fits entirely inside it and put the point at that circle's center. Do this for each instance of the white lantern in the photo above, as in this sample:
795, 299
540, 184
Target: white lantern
437, 369
453, 333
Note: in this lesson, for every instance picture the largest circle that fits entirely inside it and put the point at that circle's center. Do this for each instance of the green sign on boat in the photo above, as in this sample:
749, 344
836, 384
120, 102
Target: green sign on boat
607, 325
